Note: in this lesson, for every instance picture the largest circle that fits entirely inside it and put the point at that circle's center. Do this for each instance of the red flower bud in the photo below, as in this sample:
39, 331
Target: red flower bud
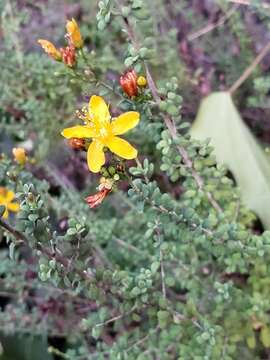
68, 55
96, 199
76, 143
128, 82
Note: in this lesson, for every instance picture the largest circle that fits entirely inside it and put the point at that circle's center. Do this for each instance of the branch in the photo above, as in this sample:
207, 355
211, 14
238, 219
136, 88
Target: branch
250, 69
115, 318
163, 210
182, 317
248, 3
162, 271
169, 122
212, 26
130, 247
143, 339
22, 239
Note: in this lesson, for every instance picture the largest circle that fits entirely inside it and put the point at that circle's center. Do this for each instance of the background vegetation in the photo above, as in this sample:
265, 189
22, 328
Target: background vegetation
175, 263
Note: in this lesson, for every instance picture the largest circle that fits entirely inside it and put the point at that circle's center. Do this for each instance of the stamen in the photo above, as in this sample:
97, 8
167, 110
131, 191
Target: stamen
103, 132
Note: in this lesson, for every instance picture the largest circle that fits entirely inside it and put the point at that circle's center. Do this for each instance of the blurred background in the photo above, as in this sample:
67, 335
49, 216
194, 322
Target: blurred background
206, 45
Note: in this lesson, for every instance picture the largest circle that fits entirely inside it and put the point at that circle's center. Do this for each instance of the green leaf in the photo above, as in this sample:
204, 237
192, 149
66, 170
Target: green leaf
155, 266
96, 332
71, 231
24, 347
163, 318
33, 217
11, 250
129, 61
251, 342
265, 336
236, 147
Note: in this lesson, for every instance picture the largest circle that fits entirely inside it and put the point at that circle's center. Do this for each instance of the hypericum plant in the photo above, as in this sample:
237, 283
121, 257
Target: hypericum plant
168, 266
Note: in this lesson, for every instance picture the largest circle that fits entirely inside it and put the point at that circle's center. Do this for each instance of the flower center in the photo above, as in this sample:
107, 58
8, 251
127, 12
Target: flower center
103, 132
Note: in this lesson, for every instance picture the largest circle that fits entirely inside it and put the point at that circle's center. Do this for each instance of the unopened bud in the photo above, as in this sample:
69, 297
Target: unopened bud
142, 82
30, 197
76, 143
50, 49
128, 82
19, 155
69, 55
74, 34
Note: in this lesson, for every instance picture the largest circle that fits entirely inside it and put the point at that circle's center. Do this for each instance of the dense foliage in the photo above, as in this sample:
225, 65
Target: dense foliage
171, 264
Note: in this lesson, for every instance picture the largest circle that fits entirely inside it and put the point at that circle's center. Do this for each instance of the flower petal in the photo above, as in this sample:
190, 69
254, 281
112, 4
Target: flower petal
15, 207
5, 215
125, 122
74, 33
79, 132
98, 109
121, 148
95, 156
9, 196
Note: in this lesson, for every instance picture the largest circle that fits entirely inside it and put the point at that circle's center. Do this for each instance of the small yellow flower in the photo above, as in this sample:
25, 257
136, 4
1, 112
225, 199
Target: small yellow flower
141, 81
104, 131
6, 197
50, 49
74, 33
19, 155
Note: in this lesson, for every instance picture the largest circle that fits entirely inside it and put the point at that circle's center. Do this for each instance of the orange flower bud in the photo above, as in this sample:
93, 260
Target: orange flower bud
69, 55
19, 155
50, 49
74, 33
76, 143
128, 82
96, 199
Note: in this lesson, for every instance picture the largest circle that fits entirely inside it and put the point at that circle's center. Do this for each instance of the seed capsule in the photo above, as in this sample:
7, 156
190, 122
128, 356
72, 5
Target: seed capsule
68, 55
76, 143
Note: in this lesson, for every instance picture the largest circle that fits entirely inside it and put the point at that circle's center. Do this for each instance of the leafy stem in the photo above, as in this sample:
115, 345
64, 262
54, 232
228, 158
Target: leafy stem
22, 239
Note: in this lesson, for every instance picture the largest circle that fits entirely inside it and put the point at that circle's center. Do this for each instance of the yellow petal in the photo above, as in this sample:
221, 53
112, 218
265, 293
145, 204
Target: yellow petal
15, 207
50, 49
95, 156
9, 196
121, 148
74, 33
125, 122
5, 215
79, 132
98, 109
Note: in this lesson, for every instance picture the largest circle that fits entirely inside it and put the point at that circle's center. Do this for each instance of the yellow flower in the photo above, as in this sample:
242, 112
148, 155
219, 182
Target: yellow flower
141, 81
50, 49
19, 155
6, 197
74, 33
104, 131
